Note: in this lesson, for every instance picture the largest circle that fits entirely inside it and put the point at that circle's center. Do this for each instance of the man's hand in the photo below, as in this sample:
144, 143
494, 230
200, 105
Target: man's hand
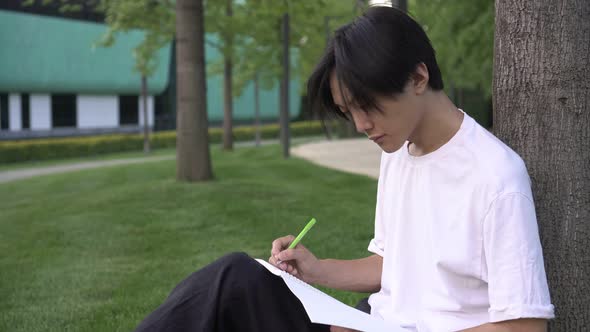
516, 325
299, 261
361, 275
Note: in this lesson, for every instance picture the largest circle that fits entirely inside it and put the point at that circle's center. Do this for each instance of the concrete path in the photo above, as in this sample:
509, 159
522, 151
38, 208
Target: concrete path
25, 173
359, 155
6, 176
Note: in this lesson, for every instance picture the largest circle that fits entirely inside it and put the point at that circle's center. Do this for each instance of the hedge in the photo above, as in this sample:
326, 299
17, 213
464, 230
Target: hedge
59, 148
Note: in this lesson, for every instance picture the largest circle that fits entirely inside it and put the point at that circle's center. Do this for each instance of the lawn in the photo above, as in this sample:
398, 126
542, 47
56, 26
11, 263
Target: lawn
97, 250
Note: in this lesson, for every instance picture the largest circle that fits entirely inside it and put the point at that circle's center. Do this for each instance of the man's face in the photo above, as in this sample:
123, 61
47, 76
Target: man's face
390, 126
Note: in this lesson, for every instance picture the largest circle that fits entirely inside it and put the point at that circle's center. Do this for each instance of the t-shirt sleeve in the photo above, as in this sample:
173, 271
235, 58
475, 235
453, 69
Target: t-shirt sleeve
377, 244
517, 283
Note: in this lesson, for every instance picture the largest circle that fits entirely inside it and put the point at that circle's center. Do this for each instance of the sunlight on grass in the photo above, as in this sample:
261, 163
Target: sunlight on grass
97, 250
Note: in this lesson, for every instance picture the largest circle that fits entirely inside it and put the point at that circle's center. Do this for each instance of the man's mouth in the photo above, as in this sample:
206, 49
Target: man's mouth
376, 138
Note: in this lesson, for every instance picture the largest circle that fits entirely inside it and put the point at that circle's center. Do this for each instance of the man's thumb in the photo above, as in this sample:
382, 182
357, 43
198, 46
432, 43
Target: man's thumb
289, 254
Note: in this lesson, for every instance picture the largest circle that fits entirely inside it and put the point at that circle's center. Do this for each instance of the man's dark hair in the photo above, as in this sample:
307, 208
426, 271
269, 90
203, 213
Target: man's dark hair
373, 56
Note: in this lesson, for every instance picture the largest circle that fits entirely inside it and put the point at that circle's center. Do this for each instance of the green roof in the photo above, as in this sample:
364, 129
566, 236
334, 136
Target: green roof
40, 54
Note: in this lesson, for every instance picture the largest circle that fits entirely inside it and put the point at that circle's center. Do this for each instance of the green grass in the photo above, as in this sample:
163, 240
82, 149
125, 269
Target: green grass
98, 250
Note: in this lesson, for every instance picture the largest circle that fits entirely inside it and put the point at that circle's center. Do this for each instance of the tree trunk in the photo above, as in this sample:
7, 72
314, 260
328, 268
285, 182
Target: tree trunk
227, 87
284, 116
541, 109
326, 128
146, 125
452, 92
257, 109
193, 162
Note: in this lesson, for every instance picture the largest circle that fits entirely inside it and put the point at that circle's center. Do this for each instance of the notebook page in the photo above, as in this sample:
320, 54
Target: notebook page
324, 309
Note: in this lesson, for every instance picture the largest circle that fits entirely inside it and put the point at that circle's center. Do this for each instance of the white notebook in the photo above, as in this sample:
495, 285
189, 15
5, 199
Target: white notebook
324, 309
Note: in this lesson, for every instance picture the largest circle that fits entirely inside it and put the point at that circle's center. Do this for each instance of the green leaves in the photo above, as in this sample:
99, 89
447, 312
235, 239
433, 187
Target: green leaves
257, 38
250, 36
155, 18
462, 33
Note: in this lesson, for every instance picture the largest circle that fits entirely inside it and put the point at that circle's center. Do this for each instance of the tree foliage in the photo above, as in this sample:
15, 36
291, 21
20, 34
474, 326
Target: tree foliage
254, 31
462, 33
255, 27
155, 18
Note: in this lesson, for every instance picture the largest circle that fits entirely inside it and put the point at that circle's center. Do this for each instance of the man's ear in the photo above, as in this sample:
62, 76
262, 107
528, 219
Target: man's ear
420, 78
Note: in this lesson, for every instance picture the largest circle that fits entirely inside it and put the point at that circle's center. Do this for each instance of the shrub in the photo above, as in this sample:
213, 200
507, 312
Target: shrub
58, 148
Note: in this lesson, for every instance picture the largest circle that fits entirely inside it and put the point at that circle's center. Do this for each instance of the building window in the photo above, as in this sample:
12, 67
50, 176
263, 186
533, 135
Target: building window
128, 110
63, 110
3, 111
25, 110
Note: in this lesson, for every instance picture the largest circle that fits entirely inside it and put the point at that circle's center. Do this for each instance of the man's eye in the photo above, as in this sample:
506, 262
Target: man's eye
365, 108
345, 114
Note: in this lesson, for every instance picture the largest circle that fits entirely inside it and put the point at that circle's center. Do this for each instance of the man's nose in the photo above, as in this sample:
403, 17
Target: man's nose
362, 122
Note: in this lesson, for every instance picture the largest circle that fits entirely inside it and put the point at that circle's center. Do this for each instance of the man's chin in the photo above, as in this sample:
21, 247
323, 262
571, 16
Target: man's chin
389, 147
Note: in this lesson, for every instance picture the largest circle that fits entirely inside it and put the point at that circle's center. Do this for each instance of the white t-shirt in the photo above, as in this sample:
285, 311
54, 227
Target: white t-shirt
458, 235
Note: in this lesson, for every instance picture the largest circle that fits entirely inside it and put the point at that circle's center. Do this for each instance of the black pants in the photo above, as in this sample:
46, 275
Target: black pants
234, 293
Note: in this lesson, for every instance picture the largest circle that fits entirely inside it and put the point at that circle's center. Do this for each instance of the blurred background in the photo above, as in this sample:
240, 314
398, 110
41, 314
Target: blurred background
71, 68
120, 173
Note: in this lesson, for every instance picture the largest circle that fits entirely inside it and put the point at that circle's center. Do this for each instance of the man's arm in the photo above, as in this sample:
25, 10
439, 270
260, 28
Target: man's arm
516, 325
357, 275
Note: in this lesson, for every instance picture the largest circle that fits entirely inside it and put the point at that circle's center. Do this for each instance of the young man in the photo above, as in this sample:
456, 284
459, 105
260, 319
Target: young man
456, 243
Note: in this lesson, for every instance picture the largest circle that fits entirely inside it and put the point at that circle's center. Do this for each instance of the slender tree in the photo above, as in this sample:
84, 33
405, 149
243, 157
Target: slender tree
285, 80
225, 29
227, 83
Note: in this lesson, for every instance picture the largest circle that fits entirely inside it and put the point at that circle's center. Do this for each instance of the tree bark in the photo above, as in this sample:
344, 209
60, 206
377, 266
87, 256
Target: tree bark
284, 115
192, 140
227, 87
541, 109
146, 128
257, 109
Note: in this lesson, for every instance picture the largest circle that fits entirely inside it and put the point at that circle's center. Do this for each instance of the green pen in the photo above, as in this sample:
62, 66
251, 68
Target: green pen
302, 234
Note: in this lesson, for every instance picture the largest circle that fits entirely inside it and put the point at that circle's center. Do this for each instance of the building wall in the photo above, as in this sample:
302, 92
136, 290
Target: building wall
3, 111
40, 112
14, 112
97, 111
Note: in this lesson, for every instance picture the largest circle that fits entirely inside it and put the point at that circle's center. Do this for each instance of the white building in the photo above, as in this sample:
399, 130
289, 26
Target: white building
53, 82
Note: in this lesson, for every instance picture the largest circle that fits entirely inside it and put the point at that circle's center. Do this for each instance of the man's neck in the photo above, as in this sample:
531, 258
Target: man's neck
440, 122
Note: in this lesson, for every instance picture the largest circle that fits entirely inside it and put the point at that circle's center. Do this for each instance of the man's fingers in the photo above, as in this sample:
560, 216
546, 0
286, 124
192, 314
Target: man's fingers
340, 329
290, 268
290, 254
281, 243
281, 265
272, 260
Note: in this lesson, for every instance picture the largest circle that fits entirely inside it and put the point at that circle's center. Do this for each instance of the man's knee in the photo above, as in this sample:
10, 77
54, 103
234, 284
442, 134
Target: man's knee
241, 271
235, 259
239, 263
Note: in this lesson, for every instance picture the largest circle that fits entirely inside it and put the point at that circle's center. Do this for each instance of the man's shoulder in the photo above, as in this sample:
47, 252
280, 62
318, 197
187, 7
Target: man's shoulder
496, 162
